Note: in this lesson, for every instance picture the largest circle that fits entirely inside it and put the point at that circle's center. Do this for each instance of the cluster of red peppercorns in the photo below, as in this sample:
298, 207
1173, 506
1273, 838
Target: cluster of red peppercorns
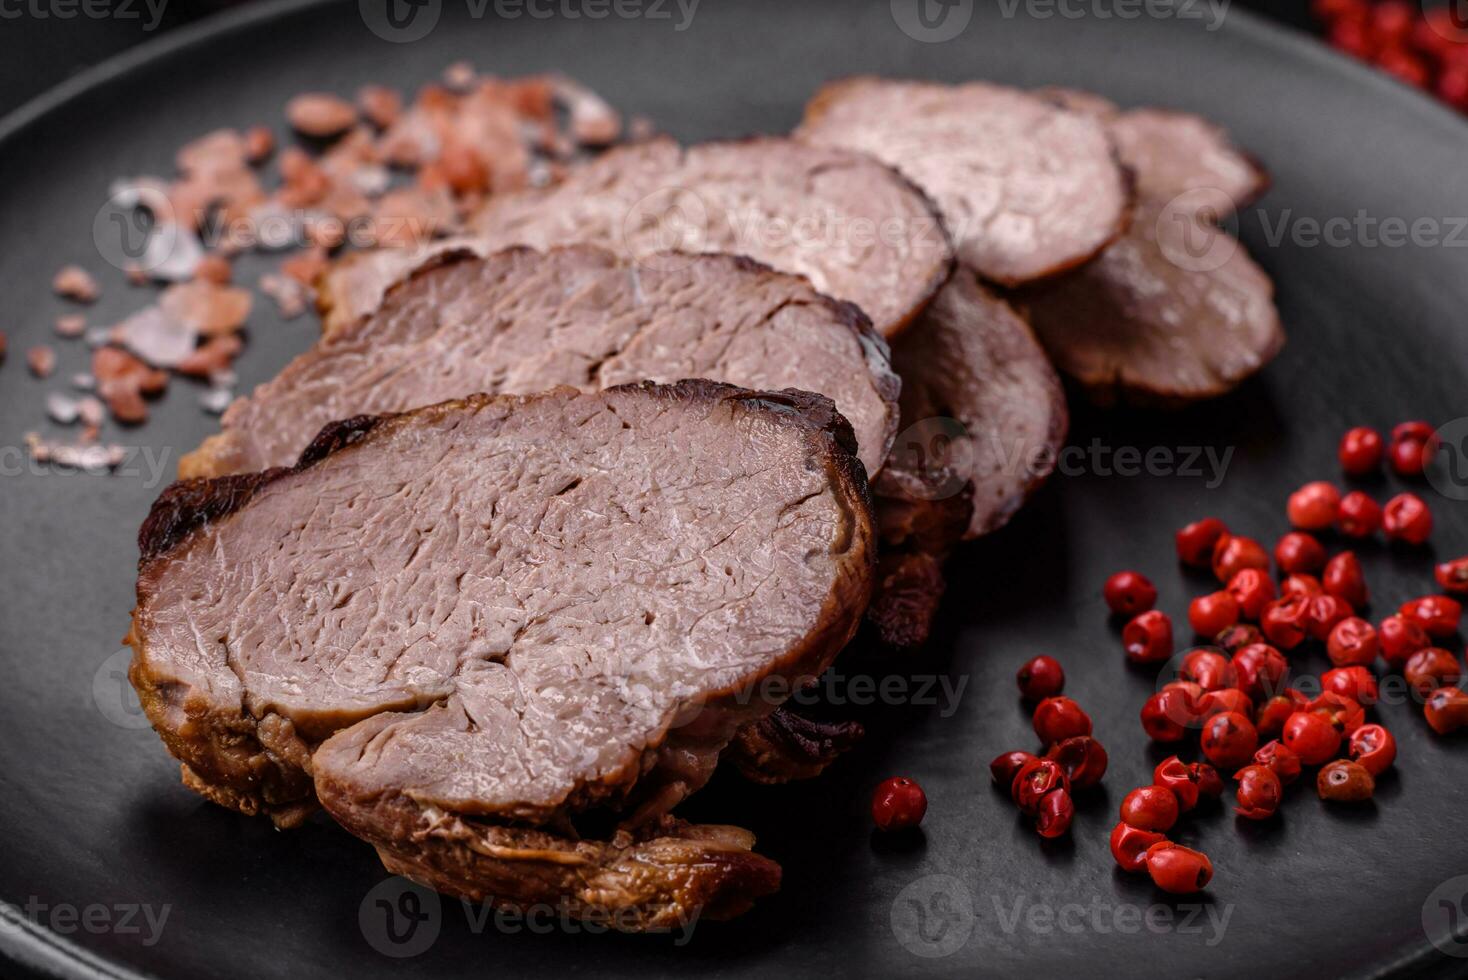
1428, 49
1139, 841
1073, 760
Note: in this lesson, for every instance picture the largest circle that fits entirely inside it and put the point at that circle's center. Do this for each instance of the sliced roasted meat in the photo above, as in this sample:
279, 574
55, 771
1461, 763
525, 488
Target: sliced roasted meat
1176, 310
522, 321
980, 405
854, 227
1027, 188
983, 418
505, 610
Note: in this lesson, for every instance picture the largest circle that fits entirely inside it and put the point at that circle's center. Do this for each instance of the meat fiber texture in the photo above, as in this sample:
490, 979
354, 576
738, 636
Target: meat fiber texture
522, 321
858, 230
463, 627
1027, 188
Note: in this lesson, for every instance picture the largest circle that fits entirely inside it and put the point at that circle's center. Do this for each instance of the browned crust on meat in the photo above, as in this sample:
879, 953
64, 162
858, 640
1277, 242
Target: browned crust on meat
260, 765
666, 876
785, 746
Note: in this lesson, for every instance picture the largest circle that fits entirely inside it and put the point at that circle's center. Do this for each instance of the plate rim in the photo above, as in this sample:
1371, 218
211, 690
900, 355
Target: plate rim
39, 951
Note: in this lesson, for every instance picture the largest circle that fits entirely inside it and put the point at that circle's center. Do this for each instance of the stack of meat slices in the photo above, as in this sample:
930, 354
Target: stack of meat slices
551, 520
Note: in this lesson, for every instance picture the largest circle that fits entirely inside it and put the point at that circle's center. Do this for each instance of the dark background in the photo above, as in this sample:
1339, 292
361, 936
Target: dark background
37, 54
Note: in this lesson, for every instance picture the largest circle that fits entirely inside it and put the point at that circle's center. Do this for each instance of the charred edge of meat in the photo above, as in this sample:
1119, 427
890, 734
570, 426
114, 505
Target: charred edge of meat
784, 746
665, 876
910, 588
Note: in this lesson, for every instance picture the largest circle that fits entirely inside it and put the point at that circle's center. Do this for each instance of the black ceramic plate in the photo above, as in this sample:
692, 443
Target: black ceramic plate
96, 832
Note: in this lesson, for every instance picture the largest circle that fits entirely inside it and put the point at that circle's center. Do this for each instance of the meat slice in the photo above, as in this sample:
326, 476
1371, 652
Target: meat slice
784, 746
980, 405
510, 612
855, 228
521, 321
984, 418
1027, 187
1176, 310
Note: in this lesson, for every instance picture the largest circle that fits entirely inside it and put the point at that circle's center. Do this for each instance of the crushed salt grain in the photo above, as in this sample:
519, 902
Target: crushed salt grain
320, 115
75, 283
70, 326
41, 360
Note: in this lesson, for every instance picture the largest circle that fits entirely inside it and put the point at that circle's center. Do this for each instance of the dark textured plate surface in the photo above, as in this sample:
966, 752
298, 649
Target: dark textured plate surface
94, 815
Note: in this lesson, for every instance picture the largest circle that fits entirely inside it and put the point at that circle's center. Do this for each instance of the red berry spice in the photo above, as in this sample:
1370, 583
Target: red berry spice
898, 803
1273, 714
1211, 614
1326, 613
1360, 451
1306, 585
1311, 737
1356, 683
1210, 670
1195, 542
1253, 589
1259, 792
1222, 702
1055, 814
1129, 593
1007, 765
1034, 782
1173, 774
1344, 781
1059, 718
1431, 668
1280, 760
1353, 643
1344, 579
1298, 552
1229, 740
1452, 576
1150, 808
1343, 714
1407, 518
1313, 506
1259, 670
1235, 638
1082, 759
1359, 516
1413, 446
1148, 638
1168, 714
1400, 638
1437, 615
1210, 783
1178, 870
1234, 553
1374, 748
1129, 845
1286, 622
1446, 710
1040, 678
